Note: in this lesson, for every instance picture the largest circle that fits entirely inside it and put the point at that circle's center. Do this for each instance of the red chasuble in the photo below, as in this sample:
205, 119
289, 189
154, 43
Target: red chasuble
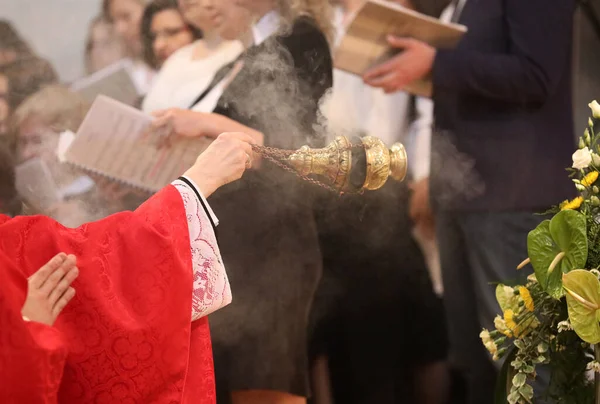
128, 331
32, 355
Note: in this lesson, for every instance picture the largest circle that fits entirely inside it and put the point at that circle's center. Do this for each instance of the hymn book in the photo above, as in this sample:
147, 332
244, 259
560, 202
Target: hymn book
114, 81
117, 141
365, 45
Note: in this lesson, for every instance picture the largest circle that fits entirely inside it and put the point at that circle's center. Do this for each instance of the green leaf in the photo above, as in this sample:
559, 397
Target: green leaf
527, 392
517, 364
514, 397
503, 384
583, 315
519, 379
506, 298
565, 233
528, 369
519, 344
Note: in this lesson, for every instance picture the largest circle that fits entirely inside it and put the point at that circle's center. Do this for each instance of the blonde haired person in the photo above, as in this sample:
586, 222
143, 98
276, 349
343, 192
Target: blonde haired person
42, 128
273, 91
320, 11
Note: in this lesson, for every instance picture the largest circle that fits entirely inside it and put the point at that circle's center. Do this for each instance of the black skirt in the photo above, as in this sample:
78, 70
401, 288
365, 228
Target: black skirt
268, 233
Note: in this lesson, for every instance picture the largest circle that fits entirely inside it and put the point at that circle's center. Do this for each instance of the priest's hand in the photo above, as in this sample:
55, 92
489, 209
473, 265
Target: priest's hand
224, 161
49, 289
413, 63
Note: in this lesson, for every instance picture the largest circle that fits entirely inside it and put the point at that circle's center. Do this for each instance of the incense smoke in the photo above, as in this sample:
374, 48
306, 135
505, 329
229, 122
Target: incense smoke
269, 95
457, 179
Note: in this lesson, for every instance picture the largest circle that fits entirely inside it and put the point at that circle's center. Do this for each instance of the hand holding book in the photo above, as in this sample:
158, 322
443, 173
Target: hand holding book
412, 64
367, 44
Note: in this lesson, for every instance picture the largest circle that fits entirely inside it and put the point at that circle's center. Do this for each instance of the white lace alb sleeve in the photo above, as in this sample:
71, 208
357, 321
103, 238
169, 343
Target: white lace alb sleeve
211, 289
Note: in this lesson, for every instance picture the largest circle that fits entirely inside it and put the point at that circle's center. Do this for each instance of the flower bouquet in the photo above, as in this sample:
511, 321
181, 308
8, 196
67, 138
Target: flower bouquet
553, 319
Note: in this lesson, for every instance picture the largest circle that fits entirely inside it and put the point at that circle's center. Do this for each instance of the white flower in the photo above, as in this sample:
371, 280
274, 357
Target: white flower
582, 158
595, 109
593, 365
488, 342
564, 326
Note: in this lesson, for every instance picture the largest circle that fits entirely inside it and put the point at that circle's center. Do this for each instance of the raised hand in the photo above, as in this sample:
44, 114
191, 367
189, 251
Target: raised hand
49, 289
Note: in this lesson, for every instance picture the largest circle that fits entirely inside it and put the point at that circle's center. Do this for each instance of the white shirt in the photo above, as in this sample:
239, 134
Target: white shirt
266, 26
142, 76
419, 140
447, 15
353, 105
182, 78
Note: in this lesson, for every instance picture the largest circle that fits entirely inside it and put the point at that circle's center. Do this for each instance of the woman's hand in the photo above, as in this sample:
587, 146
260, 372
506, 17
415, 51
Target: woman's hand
224, 161
49, 289
188, 123
183, 122
420, 209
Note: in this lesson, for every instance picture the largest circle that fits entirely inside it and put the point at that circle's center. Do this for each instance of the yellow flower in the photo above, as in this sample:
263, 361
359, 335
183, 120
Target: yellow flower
589, 179
527, 299
509, 319
572, 205
500, 325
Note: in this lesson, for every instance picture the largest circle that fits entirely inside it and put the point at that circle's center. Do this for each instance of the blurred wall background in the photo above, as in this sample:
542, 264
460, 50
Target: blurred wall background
56, 29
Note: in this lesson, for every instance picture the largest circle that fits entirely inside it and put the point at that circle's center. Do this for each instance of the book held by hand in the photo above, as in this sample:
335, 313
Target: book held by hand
118, 142
114, 81
365, 44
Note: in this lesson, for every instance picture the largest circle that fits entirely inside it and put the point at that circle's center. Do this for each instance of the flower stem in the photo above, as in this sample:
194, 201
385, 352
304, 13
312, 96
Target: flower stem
597, 376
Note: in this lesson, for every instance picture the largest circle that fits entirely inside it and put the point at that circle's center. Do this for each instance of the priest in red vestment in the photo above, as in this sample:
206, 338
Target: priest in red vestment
136, 330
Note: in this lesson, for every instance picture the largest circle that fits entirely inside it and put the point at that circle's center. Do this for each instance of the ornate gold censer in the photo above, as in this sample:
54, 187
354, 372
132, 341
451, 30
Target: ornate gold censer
347, 167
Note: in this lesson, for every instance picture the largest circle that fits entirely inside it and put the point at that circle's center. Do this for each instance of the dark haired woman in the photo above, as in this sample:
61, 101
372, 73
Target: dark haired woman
164, 31
22, 72
189, 70
12, 46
